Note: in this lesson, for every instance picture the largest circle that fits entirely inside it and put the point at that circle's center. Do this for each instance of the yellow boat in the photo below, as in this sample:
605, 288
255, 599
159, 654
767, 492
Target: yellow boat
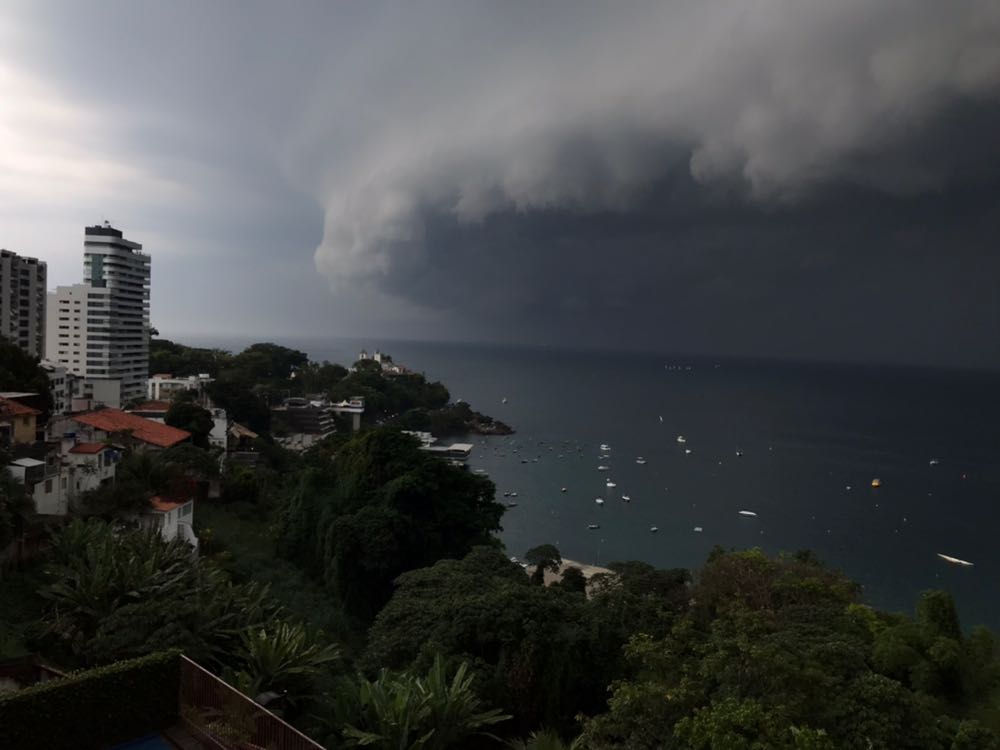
876, 483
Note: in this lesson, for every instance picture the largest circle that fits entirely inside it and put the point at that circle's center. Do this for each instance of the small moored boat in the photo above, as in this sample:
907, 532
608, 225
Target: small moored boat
594, 526
747, 513
599, 501
654, 529
955, 560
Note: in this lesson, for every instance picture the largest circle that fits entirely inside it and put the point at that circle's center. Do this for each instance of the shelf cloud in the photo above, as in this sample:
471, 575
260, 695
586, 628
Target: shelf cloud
784, 177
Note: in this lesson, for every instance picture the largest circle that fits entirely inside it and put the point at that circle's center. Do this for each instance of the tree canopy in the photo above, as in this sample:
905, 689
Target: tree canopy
382, 508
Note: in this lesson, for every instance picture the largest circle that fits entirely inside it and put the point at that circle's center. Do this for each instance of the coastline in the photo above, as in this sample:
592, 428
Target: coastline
588, 571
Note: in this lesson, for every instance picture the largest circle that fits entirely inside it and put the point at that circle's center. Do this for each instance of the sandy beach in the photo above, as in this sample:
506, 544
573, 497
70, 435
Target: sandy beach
588, 570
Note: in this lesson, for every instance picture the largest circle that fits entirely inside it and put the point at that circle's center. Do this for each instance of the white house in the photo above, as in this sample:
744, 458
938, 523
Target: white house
90, 465
174, 519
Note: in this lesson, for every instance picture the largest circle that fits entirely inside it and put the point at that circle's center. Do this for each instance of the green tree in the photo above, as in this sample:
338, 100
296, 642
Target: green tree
267, 361
19, 371
535, 649
383, 508
543, 557
544, 739
411, 711
288, 660
235, 394
187, 415
573, 579
15, 505
116, 594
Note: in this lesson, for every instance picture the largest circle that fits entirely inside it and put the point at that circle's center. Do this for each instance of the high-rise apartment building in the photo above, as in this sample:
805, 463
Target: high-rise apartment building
99, 330
22, 301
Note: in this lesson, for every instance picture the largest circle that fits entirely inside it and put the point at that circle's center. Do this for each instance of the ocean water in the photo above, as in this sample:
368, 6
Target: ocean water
812, 438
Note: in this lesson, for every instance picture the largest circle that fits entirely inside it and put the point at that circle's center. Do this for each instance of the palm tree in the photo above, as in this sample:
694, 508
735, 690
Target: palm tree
544, 739
406, 711
284, 659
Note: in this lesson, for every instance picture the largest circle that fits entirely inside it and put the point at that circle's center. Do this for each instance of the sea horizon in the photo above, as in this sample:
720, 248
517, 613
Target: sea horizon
812, 437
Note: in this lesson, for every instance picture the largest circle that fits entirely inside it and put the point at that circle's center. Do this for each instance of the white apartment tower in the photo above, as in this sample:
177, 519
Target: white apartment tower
99, 330
22, 302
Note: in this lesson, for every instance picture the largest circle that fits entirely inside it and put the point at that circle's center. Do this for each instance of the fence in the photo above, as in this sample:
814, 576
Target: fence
223, 717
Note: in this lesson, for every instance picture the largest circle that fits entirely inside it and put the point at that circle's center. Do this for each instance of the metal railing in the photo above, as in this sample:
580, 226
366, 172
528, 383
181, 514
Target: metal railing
222, 717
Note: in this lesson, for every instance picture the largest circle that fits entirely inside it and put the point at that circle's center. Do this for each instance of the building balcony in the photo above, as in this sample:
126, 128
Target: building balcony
163, 700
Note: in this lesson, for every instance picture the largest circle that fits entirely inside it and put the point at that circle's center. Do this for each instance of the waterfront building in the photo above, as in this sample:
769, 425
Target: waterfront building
99, 330
22, 301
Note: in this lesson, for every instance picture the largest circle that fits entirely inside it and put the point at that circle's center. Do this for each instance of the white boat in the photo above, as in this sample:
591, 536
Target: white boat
563, 489
955, 560
661, 419
503, 400
681, 439
513, 559
605, 447
599, 501
602, 467
627, 498
513, 494
738, 453
698, 529
640, 460
687, 451
594, 526
934, 462
610, 484
747, 513
654, 529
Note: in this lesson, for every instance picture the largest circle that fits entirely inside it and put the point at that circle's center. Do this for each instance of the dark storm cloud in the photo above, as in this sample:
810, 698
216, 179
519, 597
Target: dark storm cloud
768, 176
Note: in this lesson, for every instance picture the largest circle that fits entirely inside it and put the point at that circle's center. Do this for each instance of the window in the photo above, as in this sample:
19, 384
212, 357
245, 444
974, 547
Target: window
48, 486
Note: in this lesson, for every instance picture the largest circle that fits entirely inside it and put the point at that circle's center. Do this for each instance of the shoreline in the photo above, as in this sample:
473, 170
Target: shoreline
588, 571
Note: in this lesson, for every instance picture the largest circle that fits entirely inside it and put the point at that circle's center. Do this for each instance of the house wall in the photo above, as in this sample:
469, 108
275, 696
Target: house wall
51, 496
24, 427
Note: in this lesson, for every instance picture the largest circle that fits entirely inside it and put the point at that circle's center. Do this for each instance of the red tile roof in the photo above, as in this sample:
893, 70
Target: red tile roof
142, 429
11, 408
88, 448
164, 505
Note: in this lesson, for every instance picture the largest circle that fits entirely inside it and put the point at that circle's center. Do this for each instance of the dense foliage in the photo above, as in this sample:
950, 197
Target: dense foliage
409, 710
382, 508
778, 653
19, 371
116, 595
439, 640
96, 708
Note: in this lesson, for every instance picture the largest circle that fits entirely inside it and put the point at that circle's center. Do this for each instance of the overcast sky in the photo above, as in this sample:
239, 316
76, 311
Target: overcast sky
794, 178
